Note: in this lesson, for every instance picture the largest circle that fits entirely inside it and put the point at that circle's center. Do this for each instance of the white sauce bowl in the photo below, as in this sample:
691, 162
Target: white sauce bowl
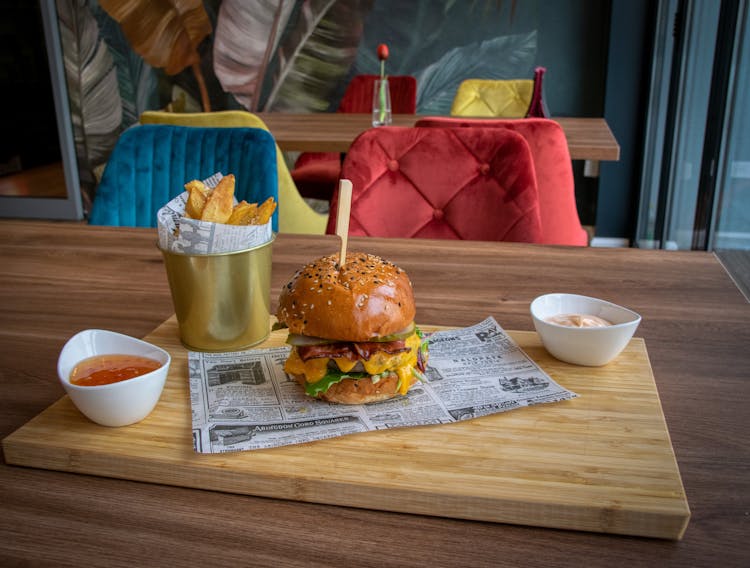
116, 404
590, 346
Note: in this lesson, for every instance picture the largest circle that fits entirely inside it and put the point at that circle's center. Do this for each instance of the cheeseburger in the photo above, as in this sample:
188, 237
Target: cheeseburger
352, 329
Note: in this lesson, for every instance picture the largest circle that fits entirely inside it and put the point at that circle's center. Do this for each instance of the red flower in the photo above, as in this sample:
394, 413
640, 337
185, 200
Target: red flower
382, 94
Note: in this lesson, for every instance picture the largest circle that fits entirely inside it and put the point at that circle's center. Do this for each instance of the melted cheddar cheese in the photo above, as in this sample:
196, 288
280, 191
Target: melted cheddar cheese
400, 363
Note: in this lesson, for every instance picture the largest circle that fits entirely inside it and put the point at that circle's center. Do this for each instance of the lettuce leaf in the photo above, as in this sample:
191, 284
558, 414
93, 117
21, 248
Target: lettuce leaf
334, 376
331, 378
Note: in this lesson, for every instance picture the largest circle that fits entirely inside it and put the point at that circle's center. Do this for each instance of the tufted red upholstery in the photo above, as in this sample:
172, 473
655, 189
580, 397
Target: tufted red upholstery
449, 183
316, 173
358, 95
554, 172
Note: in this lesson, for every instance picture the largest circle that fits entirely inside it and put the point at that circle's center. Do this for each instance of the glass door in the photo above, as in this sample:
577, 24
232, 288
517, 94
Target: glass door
36, 158
696, 178
732, 210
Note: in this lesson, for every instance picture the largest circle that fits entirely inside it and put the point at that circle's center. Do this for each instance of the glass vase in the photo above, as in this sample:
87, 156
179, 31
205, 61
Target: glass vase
381, 103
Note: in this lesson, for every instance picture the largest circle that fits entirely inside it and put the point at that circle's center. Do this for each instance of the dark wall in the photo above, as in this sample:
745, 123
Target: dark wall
628, 69
573, 37
568, 37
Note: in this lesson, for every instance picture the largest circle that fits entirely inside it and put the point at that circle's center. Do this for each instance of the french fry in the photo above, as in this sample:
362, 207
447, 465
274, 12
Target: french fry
220, 202
216, 205
265, 210
243, 213
197, 196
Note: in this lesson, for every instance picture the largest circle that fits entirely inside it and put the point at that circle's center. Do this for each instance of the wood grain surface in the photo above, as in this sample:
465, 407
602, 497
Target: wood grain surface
602, 462
588, 138
59, 278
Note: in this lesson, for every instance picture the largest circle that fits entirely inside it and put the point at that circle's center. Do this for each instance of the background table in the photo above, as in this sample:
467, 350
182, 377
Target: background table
59, 278
588, 138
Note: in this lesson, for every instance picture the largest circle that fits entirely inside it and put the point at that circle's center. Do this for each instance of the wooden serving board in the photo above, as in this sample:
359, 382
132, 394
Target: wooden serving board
602, 462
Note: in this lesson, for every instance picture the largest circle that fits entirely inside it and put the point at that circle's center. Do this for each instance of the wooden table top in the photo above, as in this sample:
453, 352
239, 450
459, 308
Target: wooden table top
588, 138
59, 278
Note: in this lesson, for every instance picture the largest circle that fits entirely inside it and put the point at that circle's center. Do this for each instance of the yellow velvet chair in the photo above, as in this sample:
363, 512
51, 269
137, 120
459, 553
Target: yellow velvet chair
295, 215
491, 98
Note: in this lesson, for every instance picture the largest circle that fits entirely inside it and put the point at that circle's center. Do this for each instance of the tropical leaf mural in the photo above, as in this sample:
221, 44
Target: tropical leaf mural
315, 54
166, 33
472, 5
442, 43
284, 55
123, 57
411, 32
186, 80
91, 78
246, 37
137, 80
500, 58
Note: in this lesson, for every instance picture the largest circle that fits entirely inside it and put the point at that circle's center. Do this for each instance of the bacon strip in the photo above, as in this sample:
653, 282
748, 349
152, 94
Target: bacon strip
351, 351
367, 350
307, 352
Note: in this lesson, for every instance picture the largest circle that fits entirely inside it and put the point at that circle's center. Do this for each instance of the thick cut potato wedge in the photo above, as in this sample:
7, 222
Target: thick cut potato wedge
217, 205
220, 203
243, 213
197, 196
265, 211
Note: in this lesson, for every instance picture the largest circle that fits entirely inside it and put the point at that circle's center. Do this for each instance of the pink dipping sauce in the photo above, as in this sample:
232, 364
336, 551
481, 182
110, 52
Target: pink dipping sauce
578, 320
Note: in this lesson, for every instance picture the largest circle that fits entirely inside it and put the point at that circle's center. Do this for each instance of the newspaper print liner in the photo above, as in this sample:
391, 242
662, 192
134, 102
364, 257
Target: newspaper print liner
179, 234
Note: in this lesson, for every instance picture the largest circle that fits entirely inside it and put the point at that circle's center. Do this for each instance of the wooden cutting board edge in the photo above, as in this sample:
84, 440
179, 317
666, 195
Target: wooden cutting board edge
24, 448
611, 519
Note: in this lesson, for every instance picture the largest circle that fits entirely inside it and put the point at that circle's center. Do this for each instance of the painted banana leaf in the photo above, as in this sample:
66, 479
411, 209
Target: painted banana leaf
419, 30
505, 57
315, 54
488, 4
137, 80
443, 42
91, 77
166, 33
246, 37
187, 80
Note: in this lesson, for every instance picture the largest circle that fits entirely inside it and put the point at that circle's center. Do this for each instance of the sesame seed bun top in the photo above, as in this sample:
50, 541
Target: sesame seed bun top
365, 299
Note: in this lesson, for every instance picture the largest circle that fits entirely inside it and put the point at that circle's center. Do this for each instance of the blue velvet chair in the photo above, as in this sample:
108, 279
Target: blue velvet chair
295, 215
151, 163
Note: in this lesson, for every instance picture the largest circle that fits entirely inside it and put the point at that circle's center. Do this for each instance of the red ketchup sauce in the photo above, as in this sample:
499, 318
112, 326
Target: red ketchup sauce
108, 369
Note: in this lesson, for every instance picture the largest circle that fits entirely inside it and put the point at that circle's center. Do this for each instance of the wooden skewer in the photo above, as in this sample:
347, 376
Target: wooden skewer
342, 216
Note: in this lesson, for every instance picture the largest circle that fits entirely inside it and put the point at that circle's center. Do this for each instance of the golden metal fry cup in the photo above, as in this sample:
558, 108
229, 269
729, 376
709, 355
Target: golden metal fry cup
222, 301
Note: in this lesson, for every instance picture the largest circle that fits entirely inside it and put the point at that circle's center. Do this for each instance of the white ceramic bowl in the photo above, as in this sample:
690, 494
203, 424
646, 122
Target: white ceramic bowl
590, 346
116, 404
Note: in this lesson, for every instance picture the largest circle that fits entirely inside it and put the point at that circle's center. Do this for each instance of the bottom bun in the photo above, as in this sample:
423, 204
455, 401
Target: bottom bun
359, 391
